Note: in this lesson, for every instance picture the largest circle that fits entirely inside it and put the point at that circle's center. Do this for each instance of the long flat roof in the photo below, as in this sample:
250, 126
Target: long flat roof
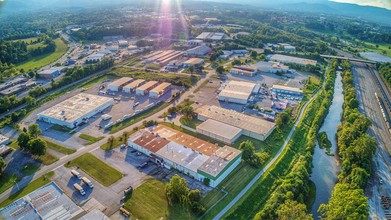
194, 61
161, 87
120, 81
134, 84
76, 107
237, 119
219, 128
150, 141
294, 89
234, 94
147, 85
237, 89
47, 202
189, 141
217, 162
290, 59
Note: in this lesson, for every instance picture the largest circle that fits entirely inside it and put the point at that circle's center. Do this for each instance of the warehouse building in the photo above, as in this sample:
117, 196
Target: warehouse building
193, 62
75, 110
50, 73
131, 87
118, 84
278, 89
144, 89
219, 131
200, 51
47, 202
243, 71
290, 59
271, 67
190, 155
251, 126
160, 90
237, 92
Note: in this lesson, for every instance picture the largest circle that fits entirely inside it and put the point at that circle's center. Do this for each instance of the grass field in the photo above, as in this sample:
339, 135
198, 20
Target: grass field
148, 201
41, 181
59, 148
35, 46
6, 181
46, 59
47, 159
381, 49
190, 123
90, 139
26, 40
29, 169
96, 168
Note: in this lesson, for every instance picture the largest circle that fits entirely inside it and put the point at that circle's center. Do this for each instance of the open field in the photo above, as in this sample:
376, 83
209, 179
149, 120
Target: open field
26, 40
45, 59
47, 159
41, 181
59, 148
8, 181
29, 169
90, 139
35, 46
381, 49
96, 168
148, 201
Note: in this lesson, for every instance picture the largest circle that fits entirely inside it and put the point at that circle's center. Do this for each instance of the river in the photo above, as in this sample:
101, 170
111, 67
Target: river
325, 170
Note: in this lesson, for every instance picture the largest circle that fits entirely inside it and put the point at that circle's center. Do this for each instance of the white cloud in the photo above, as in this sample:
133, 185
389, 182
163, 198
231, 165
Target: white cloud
377, 3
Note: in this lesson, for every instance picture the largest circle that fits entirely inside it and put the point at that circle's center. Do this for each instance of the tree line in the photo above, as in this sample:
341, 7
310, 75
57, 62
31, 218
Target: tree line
356, 149
385, 72
291, 193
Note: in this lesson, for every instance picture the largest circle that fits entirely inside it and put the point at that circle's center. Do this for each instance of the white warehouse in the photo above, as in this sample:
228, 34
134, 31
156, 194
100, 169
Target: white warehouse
237, 92
118, 84
73, 111
190, 155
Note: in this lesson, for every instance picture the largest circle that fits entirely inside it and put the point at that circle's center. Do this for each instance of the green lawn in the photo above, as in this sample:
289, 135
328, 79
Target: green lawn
148, 201
47, 159
381, 49
6, 181
59, 148
190, 123
96, 168
41, 181
35, 46
29, 169
116, 143
26, 40
14, 145
90, 139
45, 59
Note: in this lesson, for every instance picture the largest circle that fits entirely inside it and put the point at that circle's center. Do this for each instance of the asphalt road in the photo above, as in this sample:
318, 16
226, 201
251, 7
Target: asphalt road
260, 173
45, 169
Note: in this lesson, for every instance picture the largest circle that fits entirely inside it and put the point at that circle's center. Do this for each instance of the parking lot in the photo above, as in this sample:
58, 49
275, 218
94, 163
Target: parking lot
126, 161
208, 94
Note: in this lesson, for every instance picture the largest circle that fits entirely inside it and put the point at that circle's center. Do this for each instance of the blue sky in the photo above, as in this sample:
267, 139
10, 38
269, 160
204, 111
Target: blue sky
377, 3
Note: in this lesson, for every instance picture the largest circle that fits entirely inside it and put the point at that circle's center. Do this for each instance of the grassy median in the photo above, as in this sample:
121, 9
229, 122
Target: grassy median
59, 148
90, 138
96, 168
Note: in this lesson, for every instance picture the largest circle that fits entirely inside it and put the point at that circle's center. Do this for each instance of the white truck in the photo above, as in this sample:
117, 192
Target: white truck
79, 188
76, 174
87, 182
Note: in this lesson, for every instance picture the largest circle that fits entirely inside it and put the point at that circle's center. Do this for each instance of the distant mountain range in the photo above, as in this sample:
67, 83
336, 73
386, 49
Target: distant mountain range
373, 14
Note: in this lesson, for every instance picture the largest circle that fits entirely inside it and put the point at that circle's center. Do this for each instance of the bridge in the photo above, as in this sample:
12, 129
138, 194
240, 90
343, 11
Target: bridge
348, 59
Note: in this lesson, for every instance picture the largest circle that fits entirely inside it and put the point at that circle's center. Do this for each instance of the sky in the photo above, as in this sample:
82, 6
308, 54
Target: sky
377, 3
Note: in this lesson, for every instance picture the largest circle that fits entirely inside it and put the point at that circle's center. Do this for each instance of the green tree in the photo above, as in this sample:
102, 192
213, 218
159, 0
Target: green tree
282, 119
37, 147
34, 130
30, 101
23, 140
3, 165
177, 190
254, 54
125, 137
14, 117
248, 149
188, 111
110, 141
345, 203
220, 69
292, 210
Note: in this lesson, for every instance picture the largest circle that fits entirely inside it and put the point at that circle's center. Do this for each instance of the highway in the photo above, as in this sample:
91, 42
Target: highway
45, 169
275, 158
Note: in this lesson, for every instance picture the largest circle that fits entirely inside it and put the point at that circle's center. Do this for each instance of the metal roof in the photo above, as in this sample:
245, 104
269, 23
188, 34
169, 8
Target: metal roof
220, 129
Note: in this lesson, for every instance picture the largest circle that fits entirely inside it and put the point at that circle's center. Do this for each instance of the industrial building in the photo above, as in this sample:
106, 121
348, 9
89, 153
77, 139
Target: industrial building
95, 57
118, 84
160, 90
251, 126
287, 47
123, 43
243, 71
51, 73
290, 59
75, 110
190, 155
193, 62
219, 131
210, 36
47, 202
237, 91
163, 57
4, 140
131, 87
144, 89
194, 43
200, 51
278, 89
271, 67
